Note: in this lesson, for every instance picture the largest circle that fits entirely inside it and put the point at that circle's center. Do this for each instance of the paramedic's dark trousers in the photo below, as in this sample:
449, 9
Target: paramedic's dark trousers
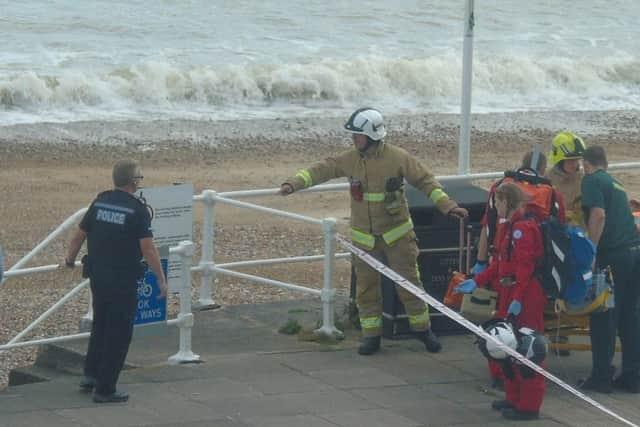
625, 265
114, 308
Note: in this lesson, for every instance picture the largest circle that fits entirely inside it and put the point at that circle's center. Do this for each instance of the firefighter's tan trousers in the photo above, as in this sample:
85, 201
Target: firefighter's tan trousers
401, 257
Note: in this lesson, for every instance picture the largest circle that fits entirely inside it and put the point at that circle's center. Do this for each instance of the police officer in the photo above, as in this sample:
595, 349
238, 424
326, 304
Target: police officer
612, 229
380, 221
117, 227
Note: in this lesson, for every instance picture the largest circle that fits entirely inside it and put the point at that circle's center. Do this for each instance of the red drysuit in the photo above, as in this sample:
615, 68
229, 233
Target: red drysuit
514, 264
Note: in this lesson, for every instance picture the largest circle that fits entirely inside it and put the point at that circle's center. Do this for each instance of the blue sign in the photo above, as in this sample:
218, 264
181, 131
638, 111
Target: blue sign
151, 308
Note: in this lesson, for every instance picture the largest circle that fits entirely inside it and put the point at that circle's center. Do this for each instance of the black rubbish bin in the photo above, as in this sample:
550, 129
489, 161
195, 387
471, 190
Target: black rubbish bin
438, 241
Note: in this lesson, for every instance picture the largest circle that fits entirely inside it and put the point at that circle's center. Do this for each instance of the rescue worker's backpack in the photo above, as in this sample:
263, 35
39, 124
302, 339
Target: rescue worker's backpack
565, 269
541, 203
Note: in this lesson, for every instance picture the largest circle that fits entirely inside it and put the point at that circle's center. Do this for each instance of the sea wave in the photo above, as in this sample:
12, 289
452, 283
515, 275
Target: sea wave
431, 84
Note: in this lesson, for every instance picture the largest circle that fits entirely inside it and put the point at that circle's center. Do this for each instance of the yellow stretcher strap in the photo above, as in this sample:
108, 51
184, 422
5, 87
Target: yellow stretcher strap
596, 305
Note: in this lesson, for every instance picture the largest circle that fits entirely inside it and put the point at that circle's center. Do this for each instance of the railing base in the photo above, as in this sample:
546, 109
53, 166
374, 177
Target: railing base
183, 357
205, 305
329, 333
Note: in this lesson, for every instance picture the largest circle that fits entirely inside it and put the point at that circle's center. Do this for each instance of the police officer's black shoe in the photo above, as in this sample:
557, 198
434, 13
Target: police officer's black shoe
596, 385
499, 405
116, 397
369, 346
430, 340
87, 384
517, 415
628, 383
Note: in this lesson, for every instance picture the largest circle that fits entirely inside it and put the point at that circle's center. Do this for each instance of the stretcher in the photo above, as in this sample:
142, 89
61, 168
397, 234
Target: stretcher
560, 327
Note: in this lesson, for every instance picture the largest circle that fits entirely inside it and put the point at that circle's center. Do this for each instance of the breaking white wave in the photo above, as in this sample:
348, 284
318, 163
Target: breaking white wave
159, 89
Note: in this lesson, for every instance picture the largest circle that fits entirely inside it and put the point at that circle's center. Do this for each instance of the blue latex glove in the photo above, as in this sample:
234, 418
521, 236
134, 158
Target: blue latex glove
514, 308
466, 287
478, 268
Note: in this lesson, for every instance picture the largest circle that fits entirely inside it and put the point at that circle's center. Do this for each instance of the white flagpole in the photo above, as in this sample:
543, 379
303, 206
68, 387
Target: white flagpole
464, 147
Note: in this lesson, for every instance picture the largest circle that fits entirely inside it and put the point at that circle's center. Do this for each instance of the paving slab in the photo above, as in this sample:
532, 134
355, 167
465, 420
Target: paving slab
252, 376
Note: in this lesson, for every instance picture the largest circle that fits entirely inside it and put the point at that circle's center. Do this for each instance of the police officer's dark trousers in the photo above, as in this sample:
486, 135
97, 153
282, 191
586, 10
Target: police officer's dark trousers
114, 308
625, 266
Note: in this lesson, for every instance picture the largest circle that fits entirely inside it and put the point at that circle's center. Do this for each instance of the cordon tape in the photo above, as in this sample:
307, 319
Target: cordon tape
424, 296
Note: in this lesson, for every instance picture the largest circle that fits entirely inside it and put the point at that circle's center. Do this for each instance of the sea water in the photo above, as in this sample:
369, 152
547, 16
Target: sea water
69, 60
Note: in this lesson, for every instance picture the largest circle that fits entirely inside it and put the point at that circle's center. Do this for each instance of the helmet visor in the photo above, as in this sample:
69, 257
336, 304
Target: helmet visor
573, 152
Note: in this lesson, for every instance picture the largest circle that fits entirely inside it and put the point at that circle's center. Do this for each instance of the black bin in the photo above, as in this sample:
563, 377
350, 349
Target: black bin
438, 240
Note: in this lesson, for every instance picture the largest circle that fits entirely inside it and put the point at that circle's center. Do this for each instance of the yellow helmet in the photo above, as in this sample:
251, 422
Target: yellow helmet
566, 146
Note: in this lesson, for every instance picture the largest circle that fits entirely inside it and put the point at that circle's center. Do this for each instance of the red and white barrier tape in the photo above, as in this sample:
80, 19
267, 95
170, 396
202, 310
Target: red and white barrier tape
455, 316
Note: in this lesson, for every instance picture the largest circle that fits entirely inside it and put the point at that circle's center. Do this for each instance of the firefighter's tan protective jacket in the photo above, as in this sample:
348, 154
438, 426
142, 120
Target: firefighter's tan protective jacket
569, 187
371, 217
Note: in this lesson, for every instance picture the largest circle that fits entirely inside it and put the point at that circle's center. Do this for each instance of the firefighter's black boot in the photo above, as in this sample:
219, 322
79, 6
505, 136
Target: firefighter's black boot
430, 340
370, 345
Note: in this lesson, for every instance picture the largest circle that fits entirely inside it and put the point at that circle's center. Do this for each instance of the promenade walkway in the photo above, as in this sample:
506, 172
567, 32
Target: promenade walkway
252, 376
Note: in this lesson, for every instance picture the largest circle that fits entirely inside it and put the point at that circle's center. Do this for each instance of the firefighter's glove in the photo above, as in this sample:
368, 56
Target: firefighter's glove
285, 189
458, 212
466, 287
514, 308
478, 267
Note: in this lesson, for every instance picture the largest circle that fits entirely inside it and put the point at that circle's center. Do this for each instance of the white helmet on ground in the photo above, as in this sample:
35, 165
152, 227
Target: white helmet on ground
504, 333
532, 345
367, 121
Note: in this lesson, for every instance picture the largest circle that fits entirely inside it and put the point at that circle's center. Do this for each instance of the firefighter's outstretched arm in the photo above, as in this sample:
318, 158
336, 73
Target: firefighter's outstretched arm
317, 174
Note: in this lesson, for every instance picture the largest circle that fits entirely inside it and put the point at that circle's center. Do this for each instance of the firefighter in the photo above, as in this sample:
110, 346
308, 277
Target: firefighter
565, 174
520, 296
380, 221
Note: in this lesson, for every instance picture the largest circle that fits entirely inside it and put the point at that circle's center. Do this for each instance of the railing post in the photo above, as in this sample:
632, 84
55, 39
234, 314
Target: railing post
207, 272
185, 317
328, 295
87, 319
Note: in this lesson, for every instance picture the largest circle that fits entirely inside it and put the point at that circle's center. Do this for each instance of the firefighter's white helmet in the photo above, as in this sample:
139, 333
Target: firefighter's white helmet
367, 121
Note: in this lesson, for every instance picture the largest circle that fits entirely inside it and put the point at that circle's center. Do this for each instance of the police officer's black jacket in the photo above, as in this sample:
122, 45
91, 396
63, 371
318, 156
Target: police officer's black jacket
115, 223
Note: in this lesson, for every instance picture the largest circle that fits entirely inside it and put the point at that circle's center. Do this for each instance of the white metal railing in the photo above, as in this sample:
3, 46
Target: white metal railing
68, 223
209, 269
184, 320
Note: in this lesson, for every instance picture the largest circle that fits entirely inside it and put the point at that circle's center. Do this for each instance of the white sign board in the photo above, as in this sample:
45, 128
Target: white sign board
172, 222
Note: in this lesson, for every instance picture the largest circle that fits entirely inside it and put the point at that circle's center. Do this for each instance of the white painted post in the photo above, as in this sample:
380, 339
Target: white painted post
464, 147
328, 295
207, 272
87, 319
185, 317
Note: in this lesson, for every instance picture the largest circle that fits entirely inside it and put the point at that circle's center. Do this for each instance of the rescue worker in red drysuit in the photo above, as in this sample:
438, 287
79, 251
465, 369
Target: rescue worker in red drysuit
520, 297
485, 247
